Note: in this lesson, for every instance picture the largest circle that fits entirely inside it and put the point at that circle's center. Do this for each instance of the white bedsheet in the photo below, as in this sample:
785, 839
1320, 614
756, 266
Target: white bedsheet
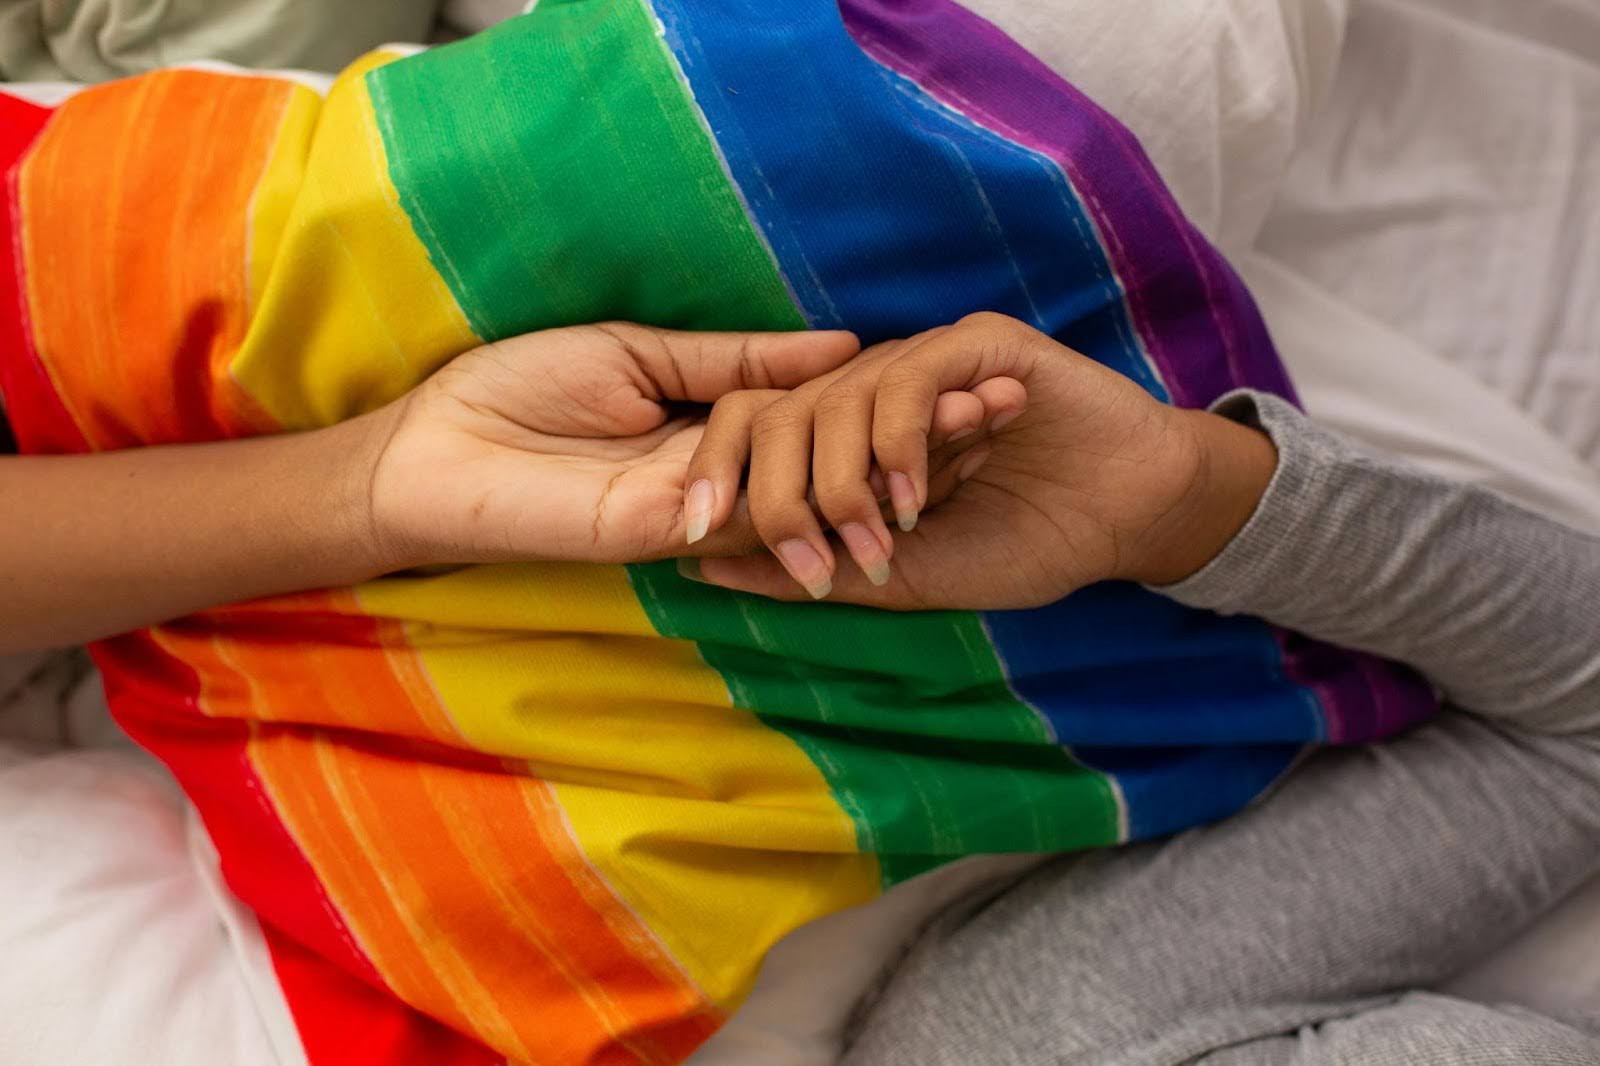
113, 952
1430, 288
1451, 188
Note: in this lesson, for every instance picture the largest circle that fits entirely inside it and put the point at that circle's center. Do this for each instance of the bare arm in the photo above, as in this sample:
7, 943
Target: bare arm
97, 544
555, 445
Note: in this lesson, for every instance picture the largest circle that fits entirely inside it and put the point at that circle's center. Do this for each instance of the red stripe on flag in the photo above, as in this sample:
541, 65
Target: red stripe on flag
39, 420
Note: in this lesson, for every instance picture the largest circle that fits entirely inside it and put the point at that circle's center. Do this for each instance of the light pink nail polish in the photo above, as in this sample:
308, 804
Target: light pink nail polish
903, 498
1002, 420
698, 503
867, 551
805, 565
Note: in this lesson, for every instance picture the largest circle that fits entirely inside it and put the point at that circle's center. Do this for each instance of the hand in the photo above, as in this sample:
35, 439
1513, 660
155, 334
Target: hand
1095, 480
772, 431
562, 444
556, 445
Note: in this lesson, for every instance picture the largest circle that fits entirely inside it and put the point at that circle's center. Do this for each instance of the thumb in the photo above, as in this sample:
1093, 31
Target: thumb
701, 367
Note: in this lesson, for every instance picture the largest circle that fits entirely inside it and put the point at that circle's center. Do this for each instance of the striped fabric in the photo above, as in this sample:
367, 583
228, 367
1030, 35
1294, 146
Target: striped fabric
558, 813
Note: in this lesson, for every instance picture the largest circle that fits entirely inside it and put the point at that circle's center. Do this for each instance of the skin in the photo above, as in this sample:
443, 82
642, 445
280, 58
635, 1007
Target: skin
1014, 469
561, 445
1094, 480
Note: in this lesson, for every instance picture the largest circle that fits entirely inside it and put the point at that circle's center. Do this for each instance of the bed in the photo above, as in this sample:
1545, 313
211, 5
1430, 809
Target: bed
1423, 276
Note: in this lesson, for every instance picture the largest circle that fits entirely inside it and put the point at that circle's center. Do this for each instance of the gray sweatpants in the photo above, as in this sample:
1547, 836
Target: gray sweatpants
1299, 930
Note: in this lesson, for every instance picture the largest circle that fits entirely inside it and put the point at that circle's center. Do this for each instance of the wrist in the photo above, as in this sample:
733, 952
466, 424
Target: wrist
1232, 464
350, 452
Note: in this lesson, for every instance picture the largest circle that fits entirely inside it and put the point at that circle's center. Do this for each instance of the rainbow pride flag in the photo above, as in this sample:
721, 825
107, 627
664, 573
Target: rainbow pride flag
557, 813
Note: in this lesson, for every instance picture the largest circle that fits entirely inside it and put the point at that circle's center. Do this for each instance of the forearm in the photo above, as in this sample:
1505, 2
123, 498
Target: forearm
1499, 607
94, 545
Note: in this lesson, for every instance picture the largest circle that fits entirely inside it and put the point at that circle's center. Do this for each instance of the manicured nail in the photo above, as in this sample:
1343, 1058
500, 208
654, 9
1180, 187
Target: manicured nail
806, 567
1002, 420
698, 503
867, 551
903, 497
965, 431
971, 462
690, 568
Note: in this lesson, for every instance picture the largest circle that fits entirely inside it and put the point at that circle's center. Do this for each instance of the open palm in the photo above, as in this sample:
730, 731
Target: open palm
563, 444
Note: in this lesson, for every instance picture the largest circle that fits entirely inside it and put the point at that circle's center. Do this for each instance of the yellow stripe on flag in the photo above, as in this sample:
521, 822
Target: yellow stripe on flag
741, 840
351, 311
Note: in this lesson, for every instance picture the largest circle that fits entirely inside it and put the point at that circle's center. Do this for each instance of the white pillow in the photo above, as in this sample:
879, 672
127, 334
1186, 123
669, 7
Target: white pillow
114, 952
1218, 91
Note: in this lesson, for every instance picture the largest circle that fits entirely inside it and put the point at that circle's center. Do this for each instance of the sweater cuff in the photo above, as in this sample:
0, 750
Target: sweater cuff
1253, 559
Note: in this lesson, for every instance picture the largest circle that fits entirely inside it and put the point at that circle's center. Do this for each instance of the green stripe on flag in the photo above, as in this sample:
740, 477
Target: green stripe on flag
558, 172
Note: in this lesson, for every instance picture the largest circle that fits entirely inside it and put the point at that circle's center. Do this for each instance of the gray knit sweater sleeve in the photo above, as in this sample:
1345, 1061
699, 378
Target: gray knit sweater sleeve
1499, 607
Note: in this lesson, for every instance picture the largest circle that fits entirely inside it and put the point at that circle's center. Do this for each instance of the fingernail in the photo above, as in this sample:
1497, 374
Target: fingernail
698, 504
903, 497
970, 464
867, 551
806, 567
690, 568
966, 431
1002, 420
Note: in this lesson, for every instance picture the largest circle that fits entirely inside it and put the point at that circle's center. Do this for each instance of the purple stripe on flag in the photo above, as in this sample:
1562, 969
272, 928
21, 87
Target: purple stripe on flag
1183, 297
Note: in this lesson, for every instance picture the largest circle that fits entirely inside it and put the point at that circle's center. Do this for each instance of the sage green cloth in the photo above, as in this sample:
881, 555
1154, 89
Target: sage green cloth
96, 40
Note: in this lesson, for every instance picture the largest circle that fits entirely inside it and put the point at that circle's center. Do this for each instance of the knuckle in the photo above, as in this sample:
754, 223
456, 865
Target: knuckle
774, 519
986, 320
902, 375
630, 336
732, 407
740, 408
776, 421
839, 399
896, 443
1001, 332
842, 499
989, 321
752, 370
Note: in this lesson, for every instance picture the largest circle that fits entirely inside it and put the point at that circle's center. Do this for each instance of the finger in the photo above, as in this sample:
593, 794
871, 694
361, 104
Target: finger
977, 348
764, 575
949, 436
955, 415
712, 481
986, 407
703, 367
955, 470
780, 478
726, 561
736, 536
1004, 399
841, 465
947, 469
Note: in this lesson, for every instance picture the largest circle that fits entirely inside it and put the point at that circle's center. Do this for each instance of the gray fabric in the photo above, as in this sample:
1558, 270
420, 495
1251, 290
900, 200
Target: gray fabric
1295, 931
1499, 607
1424, 1030
93, 40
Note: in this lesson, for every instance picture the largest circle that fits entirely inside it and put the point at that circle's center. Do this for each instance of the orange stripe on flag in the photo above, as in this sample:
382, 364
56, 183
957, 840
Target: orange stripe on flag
457, 873
290, 766
462, 886
137, 260
312, 658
